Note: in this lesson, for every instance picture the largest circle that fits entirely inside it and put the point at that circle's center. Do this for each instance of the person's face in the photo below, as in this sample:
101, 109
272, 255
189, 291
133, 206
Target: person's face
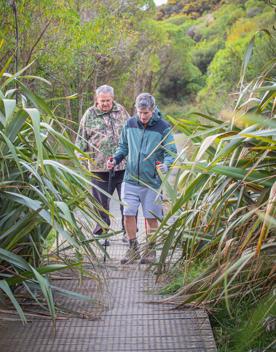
144, 115
104, 102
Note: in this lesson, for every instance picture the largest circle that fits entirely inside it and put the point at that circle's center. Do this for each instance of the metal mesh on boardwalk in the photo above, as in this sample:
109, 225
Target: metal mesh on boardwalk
125, 322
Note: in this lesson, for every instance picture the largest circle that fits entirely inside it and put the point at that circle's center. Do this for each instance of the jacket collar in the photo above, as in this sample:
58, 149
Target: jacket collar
156, 116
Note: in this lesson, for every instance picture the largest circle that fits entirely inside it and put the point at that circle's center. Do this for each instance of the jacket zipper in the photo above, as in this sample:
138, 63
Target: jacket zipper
138, 173
113, 131
112, 126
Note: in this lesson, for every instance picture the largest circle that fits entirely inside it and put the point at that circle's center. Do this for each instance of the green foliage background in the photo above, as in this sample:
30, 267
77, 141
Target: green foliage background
188, 54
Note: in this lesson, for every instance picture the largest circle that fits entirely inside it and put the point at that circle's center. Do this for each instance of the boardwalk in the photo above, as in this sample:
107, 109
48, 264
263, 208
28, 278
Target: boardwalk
127, 322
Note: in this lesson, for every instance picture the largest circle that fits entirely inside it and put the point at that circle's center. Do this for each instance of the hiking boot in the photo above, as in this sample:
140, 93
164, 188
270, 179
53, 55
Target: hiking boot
132, 253
149, 256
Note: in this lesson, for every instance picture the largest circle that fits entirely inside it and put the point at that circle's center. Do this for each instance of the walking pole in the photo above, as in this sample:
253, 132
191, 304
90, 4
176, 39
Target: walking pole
110, 176
109, 189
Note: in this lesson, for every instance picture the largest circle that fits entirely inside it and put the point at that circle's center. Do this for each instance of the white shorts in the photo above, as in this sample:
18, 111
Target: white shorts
134, 195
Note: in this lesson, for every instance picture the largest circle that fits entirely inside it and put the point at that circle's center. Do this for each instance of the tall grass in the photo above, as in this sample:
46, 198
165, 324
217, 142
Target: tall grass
224, 212
42, 188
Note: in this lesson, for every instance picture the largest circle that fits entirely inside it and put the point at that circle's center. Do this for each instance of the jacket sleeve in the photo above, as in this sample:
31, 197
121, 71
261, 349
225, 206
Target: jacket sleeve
122, 150
169, 147
81, 140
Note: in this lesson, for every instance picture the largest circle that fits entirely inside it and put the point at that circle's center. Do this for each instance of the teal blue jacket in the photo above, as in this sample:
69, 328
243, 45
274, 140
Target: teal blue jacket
141, 147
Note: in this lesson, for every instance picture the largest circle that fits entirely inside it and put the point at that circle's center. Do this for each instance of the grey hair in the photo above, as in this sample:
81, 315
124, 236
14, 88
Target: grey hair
105, 89
145, 101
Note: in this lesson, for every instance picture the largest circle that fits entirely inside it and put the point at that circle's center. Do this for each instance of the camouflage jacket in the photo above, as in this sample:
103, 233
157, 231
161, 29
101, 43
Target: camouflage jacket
99, 135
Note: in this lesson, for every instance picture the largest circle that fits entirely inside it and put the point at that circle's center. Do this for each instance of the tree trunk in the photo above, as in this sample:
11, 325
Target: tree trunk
14, 9
80, 106
68, 112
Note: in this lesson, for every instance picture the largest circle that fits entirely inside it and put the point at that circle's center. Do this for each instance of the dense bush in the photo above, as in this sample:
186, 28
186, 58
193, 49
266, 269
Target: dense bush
42, 190
223, 215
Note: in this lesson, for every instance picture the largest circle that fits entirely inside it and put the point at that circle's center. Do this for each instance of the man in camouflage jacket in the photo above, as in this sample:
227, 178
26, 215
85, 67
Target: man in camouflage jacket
98, 135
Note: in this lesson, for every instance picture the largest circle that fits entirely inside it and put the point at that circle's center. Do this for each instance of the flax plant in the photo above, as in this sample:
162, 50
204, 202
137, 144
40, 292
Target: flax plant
224, 213
42, 190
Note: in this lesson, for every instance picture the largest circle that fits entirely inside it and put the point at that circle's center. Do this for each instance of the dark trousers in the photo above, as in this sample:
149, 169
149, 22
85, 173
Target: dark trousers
102, 182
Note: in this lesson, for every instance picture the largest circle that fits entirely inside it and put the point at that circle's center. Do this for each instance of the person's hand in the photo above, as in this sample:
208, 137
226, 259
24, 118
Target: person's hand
110, 163
162, 167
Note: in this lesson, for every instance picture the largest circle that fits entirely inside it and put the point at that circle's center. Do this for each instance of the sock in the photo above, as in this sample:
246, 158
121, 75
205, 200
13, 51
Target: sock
133, 243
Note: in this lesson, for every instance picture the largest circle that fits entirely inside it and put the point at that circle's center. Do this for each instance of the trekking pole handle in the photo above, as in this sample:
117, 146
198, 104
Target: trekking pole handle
112, 171
111, 160
163, 167
157, 163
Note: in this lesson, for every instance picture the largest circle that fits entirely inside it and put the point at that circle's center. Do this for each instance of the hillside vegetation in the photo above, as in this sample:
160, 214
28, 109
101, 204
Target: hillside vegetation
189, 57
217, 40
